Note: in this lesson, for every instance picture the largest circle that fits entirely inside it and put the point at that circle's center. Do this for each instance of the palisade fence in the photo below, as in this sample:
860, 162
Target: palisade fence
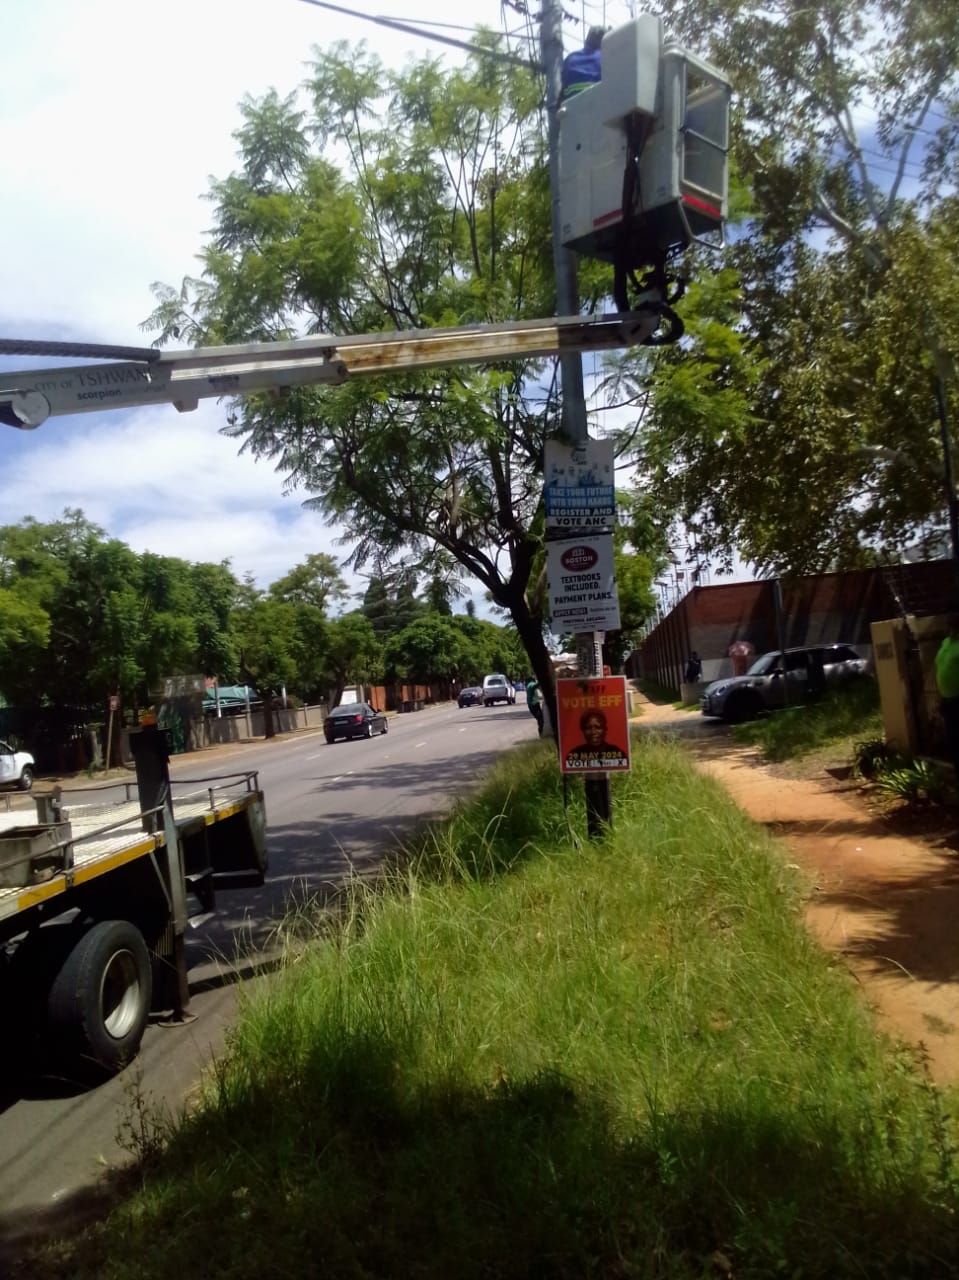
820, 609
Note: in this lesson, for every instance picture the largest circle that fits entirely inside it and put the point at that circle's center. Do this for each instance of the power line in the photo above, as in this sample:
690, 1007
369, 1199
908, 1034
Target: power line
395, 24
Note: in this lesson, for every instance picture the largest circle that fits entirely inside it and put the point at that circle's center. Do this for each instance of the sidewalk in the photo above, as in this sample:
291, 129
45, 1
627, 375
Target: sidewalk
888, 904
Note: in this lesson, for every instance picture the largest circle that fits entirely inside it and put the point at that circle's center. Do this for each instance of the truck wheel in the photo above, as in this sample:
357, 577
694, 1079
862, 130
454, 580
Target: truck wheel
100, 999
26, 778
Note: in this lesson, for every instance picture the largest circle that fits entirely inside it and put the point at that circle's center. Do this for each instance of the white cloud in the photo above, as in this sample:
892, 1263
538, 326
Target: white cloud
165, 482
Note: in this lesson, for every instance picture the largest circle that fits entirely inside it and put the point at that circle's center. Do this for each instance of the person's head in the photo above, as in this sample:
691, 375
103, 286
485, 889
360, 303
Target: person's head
594, 37
593, 725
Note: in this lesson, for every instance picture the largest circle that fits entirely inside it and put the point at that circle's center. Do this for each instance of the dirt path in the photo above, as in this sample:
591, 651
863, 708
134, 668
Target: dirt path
888, 903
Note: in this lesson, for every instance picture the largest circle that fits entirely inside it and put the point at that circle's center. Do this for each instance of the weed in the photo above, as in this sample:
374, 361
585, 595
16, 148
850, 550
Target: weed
873, 756
143, 1128
918, 782
850, 711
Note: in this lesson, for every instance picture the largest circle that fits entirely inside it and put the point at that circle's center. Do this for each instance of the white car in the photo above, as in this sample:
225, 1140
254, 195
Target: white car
16, 767
496, 688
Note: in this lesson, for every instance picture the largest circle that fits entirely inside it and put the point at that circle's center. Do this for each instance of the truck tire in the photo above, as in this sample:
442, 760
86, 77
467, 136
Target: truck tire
99, 1001
26, 778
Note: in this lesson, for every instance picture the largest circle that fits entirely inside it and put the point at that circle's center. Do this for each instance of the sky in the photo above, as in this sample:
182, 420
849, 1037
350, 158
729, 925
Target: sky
113, 116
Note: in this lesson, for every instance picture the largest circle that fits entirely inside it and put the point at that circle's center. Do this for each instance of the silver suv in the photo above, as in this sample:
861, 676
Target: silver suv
779, 677
496, 688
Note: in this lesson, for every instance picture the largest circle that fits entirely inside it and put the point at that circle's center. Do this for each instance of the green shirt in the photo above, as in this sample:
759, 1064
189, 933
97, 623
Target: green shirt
947, 667
534, 695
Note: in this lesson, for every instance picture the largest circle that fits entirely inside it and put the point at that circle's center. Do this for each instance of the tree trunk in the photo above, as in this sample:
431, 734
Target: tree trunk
530, 630
269, 729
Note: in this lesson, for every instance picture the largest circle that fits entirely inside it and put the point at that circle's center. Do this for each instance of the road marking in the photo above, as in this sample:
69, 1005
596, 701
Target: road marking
315, 757
463, 730
337, 778
420, 744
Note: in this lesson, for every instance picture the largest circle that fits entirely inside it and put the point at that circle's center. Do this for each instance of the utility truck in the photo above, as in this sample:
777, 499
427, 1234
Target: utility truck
96, 891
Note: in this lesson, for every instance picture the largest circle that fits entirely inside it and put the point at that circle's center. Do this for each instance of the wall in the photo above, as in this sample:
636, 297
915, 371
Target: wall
824, 609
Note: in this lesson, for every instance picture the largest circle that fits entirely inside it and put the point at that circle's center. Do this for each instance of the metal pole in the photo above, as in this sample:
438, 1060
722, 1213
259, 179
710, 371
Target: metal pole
589, 644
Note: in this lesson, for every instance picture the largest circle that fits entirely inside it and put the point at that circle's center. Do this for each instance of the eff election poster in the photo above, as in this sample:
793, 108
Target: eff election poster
593, 724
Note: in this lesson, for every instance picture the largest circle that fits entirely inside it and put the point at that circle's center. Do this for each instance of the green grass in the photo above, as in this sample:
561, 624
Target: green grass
847, 714
530, 1058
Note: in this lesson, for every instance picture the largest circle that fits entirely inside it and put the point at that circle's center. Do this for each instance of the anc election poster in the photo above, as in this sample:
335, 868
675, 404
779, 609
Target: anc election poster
593, 724
579, 487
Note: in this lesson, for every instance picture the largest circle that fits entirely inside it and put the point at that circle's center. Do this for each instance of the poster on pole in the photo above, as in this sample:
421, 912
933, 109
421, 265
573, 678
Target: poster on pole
581, 582
579, 486
593, 724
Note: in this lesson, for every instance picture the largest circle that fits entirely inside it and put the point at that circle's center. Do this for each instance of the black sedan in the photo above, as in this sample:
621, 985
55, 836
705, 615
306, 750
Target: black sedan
354, 720
471, 697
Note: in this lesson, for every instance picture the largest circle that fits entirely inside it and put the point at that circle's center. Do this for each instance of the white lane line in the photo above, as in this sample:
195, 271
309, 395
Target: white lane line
337, 778
315, 757
420, 744
463, 730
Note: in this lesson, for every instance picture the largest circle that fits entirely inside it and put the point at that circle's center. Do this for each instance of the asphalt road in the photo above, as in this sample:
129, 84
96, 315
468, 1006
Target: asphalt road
332, 811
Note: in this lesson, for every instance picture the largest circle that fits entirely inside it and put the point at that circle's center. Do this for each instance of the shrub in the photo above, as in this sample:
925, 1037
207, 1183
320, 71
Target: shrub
919, 782
873, 756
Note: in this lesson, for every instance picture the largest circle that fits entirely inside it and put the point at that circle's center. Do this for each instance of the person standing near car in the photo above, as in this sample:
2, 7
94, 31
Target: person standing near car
534, 700
947, 683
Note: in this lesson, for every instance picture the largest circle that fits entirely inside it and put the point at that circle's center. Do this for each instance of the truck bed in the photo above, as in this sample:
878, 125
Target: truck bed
108, 833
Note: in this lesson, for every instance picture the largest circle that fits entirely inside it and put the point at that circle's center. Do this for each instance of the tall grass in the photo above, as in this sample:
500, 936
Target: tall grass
848, 712
528, 1058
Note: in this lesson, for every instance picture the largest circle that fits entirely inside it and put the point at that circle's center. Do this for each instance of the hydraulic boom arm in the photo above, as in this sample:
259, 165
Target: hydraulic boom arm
182, 378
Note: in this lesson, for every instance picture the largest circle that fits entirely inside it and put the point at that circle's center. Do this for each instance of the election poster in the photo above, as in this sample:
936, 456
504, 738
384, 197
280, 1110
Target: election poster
593, 724
581, 584
579, 486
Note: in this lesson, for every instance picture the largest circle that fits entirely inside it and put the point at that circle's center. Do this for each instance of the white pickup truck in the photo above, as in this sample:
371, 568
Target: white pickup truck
16, 767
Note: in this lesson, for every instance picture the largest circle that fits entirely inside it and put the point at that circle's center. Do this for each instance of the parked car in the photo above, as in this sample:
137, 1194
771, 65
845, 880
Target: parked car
780, 677
17, 768
470, 697
496, 688
354, 720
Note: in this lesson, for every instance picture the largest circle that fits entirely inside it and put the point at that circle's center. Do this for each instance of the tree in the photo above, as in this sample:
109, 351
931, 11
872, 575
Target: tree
317, 582
799, 423
431, 648
443, 220
268, 643
82, 617
377, 607
353, 654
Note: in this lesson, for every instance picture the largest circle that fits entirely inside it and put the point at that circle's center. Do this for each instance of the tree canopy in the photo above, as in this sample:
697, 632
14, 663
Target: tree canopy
799, 421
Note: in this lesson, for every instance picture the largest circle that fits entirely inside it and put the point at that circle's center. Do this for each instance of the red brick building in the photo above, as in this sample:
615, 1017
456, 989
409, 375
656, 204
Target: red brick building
824, 609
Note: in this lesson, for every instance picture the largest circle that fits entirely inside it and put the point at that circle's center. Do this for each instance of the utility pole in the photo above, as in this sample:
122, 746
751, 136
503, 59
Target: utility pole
589, 646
